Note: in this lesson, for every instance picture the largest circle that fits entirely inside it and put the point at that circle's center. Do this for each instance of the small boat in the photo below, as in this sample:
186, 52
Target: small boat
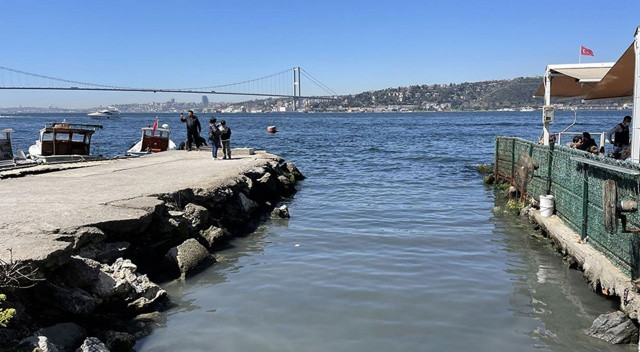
63, 142
272, 129
6, 153
106, 114
153, 140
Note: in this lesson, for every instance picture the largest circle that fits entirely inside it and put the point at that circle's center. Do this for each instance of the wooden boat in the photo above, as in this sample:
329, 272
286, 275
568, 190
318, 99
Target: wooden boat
63, 141
153, 140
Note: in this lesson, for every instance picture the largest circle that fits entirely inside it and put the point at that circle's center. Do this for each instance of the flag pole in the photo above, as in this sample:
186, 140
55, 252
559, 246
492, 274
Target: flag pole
580, 55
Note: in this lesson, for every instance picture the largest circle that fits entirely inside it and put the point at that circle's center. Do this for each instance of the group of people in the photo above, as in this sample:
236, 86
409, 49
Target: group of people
618, 136
219, 135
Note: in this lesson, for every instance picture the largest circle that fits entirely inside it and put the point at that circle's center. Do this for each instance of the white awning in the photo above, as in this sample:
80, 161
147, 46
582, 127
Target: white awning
574, 80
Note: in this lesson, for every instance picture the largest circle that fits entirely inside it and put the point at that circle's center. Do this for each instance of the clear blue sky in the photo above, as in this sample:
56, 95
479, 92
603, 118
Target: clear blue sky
351, 46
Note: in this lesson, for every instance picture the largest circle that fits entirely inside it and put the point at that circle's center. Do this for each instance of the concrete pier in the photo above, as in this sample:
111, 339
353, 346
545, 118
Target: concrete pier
99, 232
40, 213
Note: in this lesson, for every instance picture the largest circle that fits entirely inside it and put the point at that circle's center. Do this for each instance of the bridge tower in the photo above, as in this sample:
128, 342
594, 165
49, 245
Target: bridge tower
296, 88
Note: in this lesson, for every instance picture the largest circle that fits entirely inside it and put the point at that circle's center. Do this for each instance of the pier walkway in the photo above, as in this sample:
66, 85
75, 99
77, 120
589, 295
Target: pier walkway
40, 213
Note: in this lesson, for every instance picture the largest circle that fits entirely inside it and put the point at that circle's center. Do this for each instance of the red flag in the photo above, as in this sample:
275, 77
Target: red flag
585, 51
155, 125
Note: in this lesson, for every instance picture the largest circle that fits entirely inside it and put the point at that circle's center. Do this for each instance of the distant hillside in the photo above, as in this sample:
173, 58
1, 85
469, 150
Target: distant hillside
487, 95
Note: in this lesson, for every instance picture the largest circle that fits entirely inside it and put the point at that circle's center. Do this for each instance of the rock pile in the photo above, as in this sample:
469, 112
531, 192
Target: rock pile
100, 296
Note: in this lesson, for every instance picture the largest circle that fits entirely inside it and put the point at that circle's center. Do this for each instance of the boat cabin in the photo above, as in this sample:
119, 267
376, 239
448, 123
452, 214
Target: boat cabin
154, 140
62, 138
6, 152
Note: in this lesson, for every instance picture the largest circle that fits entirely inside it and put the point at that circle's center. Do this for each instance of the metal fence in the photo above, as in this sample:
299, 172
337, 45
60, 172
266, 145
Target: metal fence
575, 179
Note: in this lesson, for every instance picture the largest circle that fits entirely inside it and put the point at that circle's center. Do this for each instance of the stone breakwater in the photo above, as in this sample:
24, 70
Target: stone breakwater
103, 236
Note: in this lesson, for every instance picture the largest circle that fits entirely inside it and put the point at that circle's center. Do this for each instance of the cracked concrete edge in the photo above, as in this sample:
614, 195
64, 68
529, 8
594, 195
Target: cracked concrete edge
595, 266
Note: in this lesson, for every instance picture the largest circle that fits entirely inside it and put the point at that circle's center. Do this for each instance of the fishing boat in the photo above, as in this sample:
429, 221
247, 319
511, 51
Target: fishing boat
64, 142
153, 140
106, 114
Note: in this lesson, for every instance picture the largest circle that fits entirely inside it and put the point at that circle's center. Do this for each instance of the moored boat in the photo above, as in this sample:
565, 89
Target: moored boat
153, 140
63, 141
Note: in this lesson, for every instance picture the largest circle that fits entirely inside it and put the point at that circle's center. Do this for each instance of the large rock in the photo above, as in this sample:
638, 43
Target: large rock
86, 235
92, 344
104, 252
266, 188
197, 215
614, 327
281, 212
117, 341
187, 258
69, 300
214, 237
291, 169
67, 336
141, 293
247, 206
37, 343
143, 324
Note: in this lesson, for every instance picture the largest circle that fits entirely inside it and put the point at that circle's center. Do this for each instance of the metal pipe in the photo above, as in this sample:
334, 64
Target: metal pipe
635, 122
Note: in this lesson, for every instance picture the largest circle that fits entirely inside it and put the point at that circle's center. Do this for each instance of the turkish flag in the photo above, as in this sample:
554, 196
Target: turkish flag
155, 125
585, 51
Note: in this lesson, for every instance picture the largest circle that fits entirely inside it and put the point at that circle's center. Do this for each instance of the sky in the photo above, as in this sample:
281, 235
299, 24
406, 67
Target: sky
351, 46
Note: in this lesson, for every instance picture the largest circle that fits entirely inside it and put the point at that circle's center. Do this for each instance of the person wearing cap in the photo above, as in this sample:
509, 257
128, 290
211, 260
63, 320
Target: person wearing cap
214, 136
620, 133
225, 136
193, 129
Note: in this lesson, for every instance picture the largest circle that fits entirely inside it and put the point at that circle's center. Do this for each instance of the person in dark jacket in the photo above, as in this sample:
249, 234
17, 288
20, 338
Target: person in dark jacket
587, 142
193, 129
214, 137
225, 136
620, 135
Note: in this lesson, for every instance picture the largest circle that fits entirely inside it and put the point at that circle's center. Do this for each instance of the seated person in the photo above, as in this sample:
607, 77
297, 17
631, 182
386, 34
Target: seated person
576, 143
587, 142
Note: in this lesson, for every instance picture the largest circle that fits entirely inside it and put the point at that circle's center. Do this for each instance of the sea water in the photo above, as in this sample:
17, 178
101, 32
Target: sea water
392, 244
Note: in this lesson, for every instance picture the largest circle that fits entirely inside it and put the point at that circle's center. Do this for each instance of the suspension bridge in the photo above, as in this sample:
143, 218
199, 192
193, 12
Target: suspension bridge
283, 84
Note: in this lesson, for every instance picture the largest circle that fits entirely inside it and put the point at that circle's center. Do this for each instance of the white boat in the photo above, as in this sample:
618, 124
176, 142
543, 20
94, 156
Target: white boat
527, 109
153, 140
109, 113
63, 141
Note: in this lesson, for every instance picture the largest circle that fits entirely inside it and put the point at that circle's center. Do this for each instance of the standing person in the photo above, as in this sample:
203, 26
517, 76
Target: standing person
225, 135
214, 137
620, 133
193, 129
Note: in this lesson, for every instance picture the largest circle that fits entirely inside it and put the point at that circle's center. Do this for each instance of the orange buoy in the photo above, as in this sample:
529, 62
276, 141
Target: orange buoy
272, 129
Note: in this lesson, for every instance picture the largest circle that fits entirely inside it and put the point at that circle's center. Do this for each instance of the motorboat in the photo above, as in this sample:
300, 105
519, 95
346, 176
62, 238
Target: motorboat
153, 140
106, 114
63, 141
